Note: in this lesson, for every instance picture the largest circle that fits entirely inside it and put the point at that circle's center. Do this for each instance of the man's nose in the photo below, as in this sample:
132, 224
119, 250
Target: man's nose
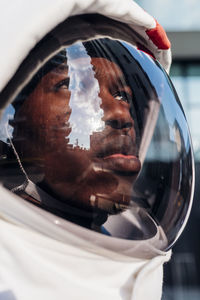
117, 114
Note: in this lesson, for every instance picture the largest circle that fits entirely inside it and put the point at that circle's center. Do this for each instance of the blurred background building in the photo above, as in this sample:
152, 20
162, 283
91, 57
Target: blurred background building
181, 20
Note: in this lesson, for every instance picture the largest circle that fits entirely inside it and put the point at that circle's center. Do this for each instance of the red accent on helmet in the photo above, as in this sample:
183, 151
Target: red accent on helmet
159, 37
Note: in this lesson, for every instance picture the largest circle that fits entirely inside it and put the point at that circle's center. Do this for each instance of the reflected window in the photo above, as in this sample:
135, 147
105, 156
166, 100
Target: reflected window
186, 78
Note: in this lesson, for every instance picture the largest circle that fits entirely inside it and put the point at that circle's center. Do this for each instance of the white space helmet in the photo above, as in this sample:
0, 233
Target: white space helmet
95, 133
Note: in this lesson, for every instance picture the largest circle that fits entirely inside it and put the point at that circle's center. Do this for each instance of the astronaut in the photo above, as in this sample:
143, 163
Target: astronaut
96, 159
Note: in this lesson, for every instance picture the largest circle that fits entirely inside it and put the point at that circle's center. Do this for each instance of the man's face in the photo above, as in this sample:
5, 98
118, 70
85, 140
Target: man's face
79, 160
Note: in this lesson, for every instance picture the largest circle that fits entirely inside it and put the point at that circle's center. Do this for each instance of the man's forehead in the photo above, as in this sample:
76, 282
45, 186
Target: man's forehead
62, 68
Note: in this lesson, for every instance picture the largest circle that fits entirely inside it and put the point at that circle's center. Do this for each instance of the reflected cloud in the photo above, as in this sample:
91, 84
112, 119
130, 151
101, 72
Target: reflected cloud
84, 102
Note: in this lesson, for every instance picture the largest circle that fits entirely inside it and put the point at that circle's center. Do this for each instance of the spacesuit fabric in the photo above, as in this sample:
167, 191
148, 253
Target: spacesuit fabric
37, 266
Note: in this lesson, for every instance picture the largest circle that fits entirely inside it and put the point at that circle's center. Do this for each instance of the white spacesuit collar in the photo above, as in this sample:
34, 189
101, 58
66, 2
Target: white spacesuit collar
116, 273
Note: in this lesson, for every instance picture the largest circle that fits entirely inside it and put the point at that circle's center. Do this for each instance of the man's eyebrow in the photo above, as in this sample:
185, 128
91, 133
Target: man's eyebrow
63, 67
97, 71
121, 80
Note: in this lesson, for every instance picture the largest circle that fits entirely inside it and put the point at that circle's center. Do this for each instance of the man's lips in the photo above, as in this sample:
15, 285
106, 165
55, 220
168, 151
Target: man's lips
116, 152
118, 155
121, 163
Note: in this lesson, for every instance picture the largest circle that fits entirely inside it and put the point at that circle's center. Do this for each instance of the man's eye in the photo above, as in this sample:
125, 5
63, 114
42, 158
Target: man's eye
122, 96
63, 84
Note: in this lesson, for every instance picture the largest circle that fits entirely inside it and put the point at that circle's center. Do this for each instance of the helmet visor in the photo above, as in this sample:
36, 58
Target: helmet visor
98, 137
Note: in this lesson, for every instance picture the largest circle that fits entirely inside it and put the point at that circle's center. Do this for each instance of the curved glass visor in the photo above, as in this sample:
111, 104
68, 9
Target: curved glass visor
99, 138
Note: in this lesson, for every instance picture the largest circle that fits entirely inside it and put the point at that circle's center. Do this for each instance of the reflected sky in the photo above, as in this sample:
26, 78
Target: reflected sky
5, 129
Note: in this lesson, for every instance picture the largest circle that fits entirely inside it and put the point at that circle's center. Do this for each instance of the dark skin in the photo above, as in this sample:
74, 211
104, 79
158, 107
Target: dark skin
74, 175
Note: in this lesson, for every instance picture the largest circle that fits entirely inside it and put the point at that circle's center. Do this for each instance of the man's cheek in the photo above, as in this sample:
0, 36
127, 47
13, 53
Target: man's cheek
67, 166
